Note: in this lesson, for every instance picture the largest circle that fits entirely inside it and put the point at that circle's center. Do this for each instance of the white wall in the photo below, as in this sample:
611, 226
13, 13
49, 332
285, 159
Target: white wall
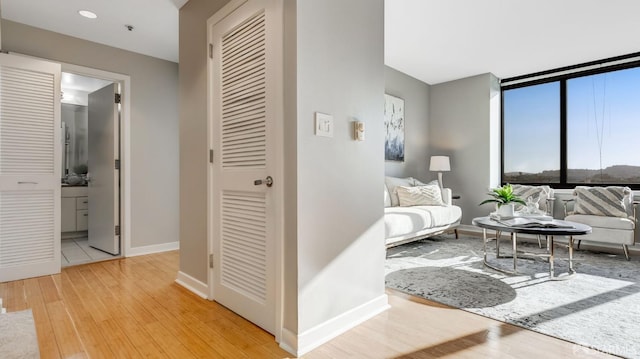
154, 122
464, 123
416, 104
340, 230
193, 136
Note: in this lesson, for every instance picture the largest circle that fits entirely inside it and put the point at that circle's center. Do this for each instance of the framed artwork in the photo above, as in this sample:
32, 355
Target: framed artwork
394, 126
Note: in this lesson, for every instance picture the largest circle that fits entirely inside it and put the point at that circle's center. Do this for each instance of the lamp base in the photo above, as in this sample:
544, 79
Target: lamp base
440, 179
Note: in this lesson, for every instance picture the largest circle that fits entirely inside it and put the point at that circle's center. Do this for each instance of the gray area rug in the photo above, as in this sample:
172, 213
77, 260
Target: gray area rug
599, 307
18, 337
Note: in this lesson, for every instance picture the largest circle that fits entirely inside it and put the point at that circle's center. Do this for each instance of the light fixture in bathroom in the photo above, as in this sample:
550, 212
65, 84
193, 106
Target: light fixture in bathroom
88, 14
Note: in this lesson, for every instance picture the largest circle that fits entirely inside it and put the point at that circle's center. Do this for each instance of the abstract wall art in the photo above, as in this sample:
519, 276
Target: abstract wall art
394, 125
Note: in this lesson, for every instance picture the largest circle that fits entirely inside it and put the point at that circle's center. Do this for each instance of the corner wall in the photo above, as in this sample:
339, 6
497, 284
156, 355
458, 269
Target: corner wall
334, 230
340, 236
193, 136
416, 104
154, 122
465, 125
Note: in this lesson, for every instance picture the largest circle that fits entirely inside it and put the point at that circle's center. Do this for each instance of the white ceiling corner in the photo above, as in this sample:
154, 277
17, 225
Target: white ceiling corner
442, 40
155, 22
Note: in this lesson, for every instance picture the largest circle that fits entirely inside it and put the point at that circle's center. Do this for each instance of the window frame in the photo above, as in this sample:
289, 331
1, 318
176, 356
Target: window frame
562, 75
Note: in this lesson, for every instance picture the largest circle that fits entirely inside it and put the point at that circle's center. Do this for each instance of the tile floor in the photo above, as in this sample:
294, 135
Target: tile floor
77, 251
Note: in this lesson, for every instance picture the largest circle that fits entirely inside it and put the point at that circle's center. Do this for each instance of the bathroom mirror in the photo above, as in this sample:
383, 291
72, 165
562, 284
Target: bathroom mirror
75, 137
75, 121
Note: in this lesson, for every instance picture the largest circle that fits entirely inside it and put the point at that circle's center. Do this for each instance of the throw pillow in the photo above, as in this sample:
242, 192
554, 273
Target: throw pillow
601, 201
539, 194
429, 195
392, 183
418, 183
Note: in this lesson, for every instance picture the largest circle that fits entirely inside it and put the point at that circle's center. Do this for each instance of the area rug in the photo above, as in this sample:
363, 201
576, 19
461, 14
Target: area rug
598, 308
18, 337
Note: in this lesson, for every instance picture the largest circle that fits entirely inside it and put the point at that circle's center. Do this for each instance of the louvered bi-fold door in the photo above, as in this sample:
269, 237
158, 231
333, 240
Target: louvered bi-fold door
29, 167
244, 104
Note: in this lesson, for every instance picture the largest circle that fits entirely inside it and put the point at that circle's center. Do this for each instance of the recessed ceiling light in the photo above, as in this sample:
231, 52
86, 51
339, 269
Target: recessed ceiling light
88, 14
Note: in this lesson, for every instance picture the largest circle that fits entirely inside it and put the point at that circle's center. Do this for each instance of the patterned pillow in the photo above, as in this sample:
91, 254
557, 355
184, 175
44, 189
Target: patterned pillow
392, 183
539, 194
601, 201
429, 195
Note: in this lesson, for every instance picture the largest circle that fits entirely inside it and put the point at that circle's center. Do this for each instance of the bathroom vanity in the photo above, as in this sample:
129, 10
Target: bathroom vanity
75, 208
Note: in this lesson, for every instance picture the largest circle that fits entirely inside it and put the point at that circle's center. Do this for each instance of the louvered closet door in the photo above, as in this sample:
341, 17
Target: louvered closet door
244, 103
29, 168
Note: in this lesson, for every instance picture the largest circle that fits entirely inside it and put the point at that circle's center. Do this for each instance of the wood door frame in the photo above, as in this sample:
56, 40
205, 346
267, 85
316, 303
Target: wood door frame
125, 145
278, 168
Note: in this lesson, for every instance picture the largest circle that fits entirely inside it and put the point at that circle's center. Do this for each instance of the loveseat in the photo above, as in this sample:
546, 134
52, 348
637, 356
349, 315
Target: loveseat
420, 210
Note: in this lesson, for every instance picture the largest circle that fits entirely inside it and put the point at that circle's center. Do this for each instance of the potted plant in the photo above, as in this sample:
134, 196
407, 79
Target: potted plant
504, 199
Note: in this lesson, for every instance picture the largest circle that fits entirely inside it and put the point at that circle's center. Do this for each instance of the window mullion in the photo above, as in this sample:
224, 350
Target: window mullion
563, 132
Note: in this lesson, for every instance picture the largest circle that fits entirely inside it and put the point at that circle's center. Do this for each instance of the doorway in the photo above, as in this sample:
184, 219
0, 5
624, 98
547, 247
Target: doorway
90, 179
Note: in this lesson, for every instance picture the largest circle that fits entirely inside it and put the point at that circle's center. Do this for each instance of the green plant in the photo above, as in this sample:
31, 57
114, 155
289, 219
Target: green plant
503, 195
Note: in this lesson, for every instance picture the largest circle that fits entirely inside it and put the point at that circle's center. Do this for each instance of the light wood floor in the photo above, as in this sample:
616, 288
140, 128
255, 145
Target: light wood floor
132, 308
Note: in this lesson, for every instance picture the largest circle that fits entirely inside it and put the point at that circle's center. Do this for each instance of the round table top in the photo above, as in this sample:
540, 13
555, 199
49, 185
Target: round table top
575, 229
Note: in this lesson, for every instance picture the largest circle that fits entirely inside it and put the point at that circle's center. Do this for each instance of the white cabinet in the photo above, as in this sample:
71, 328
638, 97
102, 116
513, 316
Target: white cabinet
68, 223
75, 209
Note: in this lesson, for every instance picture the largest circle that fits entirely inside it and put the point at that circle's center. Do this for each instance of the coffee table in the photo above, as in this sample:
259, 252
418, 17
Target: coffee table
565, 228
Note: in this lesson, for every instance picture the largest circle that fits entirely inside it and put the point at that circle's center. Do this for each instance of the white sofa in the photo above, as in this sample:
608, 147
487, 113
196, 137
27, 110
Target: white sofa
409, 223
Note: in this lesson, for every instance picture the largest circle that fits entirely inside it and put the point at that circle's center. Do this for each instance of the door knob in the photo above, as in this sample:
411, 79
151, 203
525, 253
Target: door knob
268, 181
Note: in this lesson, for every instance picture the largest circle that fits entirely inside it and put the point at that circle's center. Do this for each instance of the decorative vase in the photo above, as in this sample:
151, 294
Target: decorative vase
506, 210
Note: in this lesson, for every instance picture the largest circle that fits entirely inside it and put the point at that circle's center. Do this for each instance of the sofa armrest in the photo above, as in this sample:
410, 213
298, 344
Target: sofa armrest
565, 203
550, 205
446, 196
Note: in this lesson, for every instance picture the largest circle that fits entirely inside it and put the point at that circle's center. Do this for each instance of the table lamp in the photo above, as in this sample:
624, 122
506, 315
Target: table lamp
439, 164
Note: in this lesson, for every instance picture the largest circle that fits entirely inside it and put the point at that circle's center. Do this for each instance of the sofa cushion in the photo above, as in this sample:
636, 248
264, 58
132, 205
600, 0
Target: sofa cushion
429, 195
400, 221
602, 221
539, 194
392, 183
601, 201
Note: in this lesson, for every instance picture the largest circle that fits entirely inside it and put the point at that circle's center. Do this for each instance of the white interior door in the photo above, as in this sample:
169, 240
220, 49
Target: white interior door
245, 107
29, 167
104, 178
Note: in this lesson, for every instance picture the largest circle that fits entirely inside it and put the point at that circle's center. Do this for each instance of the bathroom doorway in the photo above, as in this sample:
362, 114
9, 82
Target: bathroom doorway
91, 118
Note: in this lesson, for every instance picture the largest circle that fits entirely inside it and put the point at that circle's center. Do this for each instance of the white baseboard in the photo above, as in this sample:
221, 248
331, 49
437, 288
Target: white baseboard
322, 333
155, 248
469, 228
288, 341
197, 287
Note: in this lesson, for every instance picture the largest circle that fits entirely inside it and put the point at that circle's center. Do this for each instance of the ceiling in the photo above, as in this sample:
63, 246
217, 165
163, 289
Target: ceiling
432, 40
441, 40
155, 22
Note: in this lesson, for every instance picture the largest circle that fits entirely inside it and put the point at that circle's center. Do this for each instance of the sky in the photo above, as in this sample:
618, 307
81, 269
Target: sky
601, 109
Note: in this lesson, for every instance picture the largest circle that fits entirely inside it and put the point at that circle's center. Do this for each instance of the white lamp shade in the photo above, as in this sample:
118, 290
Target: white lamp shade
439, 164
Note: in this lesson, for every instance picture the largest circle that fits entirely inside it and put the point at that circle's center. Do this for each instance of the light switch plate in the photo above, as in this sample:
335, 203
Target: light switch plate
324, 124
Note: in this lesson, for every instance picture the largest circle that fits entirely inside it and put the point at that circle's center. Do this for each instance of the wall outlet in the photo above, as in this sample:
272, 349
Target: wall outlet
324, 124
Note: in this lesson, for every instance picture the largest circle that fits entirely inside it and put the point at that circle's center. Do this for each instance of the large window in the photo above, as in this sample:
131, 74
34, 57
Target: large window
573, 129
532, 134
